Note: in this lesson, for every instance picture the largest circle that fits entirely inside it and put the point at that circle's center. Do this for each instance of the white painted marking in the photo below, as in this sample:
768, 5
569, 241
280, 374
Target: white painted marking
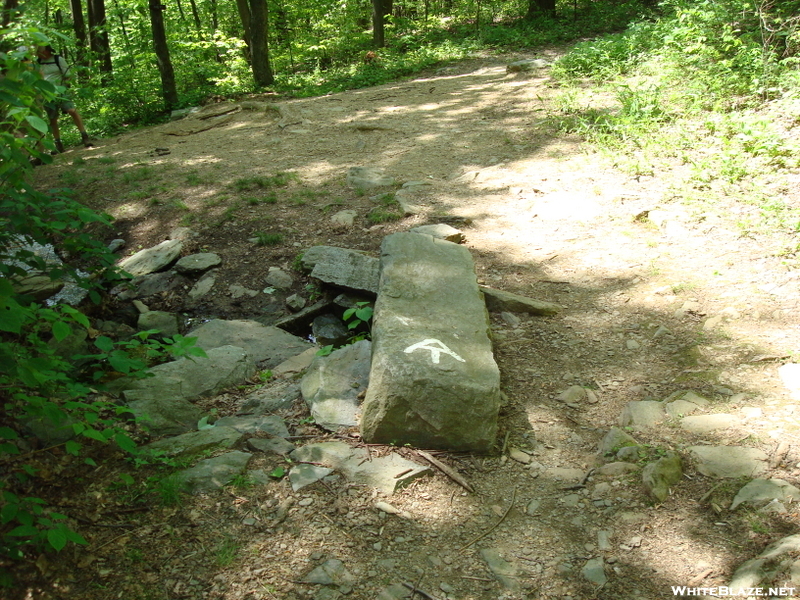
436, 348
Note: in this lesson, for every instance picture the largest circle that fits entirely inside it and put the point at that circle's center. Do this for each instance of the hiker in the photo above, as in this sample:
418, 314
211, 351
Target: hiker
55, 69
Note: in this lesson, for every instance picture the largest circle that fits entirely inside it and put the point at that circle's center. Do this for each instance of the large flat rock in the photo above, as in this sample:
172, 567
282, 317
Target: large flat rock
267, 346
342, 267
434, 382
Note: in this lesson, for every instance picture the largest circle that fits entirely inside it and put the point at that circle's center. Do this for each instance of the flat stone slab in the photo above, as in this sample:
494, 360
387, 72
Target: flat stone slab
728, 461
303, 475
500, 301
760, 492
680, 408
368, 177
214, 473
345, 268
643, 414
386, 473
225, 367
267, 346
276, 396
256, 424
333, 384
198, 263
195, 441
751, 573
151, 260
331, 572
162, 410
274, 445
442, 231
434, 382
709, 423
504, 571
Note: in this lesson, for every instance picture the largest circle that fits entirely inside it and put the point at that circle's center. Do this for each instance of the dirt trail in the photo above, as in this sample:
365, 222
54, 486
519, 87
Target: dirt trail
656, 300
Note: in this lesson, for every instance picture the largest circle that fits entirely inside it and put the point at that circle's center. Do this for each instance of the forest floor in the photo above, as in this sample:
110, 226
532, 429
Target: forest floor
658, 296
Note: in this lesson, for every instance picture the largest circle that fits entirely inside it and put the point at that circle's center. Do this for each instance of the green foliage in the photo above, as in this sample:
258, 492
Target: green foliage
268, 239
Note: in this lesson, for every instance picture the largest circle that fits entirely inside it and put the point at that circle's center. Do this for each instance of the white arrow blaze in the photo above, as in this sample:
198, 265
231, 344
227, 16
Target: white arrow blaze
436, 348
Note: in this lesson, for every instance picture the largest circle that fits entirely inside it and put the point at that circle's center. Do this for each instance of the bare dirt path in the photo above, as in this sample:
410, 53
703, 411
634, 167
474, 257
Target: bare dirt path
657, 299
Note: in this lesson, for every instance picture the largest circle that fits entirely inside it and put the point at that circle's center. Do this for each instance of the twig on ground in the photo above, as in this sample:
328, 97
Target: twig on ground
493, 527
447, 471
708, 493
475, 578
415, 590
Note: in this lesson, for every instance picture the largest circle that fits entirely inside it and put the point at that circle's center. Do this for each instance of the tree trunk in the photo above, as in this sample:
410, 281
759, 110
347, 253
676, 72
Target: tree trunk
98, 35
540, 7
168, 88
214, 16
244, 15
196, 16
9, 11
378, 39
259, 27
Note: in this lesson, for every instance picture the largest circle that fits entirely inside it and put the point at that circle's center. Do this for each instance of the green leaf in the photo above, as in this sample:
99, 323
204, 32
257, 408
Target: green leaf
9, 512
277, 473
90, 462
61, 330
75, 538
7, 433
104, 343
23, 531
94, 434
57, 539
37, 123
126, 479
204, 424
72, 447
125, 442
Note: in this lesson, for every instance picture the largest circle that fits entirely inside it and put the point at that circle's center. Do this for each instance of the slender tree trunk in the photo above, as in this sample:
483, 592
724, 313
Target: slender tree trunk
180, 12
378, 39
214, 16
244, 14
98, 35
259, 28
9, 11
540, 7
168, 89
196, 15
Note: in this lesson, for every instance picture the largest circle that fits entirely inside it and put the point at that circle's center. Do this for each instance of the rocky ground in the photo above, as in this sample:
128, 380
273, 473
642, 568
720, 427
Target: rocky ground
658, 299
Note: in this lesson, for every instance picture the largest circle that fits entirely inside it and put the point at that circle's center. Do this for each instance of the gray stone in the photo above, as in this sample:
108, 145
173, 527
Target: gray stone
615, 440
184, 234
152, 284
225, 367
443, 231
267, 346
303, 475
165, 323
396, 591
729, 461
198, 263
271, 398
523, 66
332, 385
344, 219
239, 291
331, 572
51, 432
195, 441
330, 330
499, 301
295, 364
434, 382
407, 207
504, 571
344, 268
295, 302
573, 395
37, 286
162, 410
694, 398
680, 408
202, 287
565, 473
594, 571
152, 260
274, 445
386, 473
701, 424
214, 473
662, 474
116, 244
752, 572
760, 492
642, 415
368, 177
270, 424
628, 454
277, 277
616, 469
518, 455
511, 319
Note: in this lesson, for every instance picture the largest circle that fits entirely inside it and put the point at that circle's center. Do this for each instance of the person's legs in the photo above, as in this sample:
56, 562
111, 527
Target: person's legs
76, 118
53, 114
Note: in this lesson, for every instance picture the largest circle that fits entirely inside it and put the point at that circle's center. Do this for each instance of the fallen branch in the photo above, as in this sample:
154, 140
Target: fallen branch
415, 590
447, 471
493, 527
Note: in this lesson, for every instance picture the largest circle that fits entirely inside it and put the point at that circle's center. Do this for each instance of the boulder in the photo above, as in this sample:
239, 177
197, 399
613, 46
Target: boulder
333, 385
198, 263
267, 346
662, 474
344, 268
729, 461
500, 301
434, 382
214, 473
152, 260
